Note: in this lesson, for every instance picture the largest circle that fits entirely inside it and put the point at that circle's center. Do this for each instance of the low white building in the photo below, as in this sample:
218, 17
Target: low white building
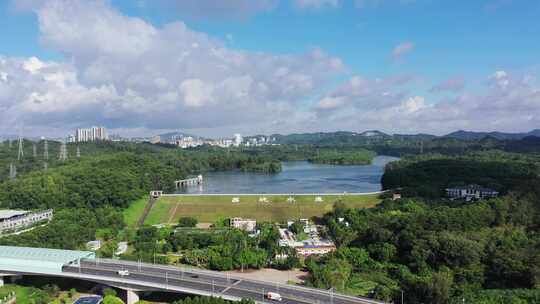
314, 245
122, 248
156, 193
243, 224
93, 245
471, 192
13, 220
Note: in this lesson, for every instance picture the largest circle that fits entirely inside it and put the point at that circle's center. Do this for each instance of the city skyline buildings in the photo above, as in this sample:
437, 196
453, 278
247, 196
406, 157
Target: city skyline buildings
90, 134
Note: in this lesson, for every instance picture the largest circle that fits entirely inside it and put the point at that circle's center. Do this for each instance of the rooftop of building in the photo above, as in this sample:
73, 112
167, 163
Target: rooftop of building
472, 187
29, 259
6, 214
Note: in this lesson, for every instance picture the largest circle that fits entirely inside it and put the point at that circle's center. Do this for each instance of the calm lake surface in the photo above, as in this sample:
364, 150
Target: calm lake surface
296, 177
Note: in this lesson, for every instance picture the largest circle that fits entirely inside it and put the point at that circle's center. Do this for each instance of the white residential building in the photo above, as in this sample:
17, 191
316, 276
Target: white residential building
238, 139
471, 192
189, 142
13, 220
91, 134
313, 245
243, 224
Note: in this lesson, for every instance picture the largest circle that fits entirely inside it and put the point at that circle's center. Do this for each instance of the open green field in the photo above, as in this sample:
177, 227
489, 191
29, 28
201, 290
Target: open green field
134, 211
210, 208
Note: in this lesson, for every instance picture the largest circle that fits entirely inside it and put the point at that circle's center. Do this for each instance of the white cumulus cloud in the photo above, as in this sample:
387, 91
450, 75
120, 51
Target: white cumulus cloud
307, 4
124, 72
402, 49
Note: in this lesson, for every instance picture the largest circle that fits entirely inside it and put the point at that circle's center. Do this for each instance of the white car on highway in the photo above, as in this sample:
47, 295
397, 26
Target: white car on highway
123, 272
274, 296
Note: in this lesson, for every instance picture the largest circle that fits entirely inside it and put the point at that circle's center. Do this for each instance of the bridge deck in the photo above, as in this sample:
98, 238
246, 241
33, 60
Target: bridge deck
142, 276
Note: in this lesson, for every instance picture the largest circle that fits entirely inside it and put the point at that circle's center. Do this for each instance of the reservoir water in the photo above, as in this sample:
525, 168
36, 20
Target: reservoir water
296, 177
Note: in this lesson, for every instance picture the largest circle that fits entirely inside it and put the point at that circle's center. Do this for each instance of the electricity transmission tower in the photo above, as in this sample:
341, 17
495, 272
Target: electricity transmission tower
46, 150
63, 152
21, 151
12, 171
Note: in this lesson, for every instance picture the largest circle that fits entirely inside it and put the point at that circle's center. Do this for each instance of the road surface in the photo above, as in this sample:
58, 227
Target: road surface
209, 282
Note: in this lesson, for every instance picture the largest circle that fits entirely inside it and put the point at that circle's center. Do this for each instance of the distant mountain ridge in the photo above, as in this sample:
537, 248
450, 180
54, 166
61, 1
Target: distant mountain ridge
348, 137
171, 136
471, 135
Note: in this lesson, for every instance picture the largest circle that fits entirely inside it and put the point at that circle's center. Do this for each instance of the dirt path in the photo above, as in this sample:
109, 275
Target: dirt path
173, 213
146, 211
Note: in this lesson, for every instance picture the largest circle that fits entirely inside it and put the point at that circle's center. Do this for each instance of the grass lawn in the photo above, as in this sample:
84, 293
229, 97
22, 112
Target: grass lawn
24, 294
210, 208
134, 211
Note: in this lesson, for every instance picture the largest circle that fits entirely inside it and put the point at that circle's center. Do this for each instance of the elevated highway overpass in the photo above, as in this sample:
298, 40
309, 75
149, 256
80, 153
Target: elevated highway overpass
151, 277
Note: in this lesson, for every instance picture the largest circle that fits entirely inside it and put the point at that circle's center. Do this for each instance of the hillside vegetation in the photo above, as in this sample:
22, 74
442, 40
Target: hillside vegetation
90, 193
428, 175
440, 251
335, 157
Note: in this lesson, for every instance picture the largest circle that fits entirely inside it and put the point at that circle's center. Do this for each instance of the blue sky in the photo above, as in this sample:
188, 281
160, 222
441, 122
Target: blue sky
450, 37
456, 46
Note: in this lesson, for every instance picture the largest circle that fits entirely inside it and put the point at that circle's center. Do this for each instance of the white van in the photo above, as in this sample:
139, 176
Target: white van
273, 296
123, 272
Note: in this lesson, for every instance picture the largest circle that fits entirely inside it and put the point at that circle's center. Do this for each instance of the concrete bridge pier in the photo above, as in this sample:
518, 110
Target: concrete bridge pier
132, 297
11, 278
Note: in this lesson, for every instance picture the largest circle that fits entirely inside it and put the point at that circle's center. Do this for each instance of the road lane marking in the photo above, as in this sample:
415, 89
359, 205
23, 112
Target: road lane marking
233, 284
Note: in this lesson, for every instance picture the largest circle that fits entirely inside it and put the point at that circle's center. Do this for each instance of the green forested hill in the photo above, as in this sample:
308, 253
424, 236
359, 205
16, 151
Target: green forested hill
437, 251
432, 250
89, 193
357, 157
428, 175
